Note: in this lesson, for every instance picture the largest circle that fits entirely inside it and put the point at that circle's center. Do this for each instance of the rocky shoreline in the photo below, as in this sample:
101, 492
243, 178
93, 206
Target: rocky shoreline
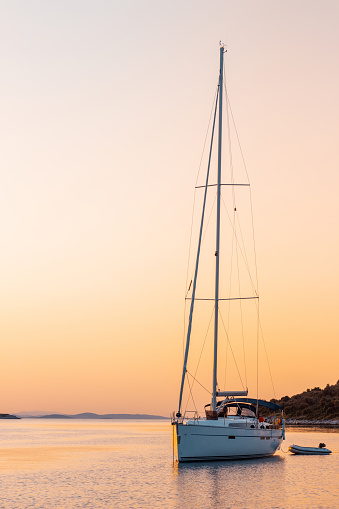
331, 423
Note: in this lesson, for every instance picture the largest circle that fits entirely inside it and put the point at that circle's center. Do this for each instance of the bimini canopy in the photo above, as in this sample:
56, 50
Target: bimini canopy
261, 402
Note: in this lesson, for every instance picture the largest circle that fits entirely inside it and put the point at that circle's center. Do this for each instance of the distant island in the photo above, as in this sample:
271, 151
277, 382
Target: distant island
8, 416
321, 406
313, 406
90, 415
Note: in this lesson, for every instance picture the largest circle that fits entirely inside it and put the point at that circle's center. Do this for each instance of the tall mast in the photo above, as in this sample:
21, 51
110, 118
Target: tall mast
217, 248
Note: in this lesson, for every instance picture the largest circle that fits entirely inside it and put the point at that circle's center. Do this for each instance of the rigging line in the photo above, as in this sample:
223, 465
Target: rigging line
241, 317
203, 346
191, 395
235, 129
229, 141
242, 250
254, 246
209, 392
195, 374
248, 180
234, 239
209, 218
255, 255
234, 219
244, 254
233, 223
229, 108
191, 232
229, 342
196, 181
267, 360
205, 232
189, 328
235, 216
226, 357
208, 127
229, 290
265, 349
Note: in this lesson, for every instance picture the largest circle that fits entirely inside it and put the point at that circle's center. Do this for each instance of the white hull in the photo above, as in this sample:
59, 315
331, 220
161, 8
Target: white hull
216, 440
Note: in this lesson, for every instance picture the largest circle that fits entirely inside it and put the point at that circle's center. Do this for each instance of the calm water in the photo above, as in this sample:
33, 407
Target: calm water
128, 464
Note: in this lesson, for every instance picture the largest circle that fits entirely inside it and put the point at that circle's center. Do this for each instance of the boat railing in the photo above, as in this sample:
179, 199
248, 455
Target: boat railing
271, 422
191, 415
188, 415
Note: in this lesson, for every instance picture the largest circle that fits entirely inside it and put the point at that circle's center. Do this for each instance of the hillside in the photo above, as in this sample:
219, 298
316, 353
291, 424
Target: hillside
313, 404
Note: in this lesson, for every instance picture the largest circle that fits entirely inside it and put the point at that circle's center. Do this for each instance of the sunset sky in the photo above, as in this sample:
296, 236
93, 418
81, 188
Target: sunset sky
104, 111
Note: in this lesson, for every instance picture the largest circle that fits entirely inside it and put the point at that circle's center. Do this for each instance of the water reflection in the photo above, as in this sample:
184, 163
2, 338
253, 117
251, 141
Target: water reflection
30, 458
113, 465
236, 483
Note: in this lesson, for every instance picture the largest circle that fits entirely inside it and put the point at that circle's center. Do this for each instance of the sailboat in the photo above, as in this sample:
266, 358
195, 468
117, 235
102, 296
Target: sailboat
234, 426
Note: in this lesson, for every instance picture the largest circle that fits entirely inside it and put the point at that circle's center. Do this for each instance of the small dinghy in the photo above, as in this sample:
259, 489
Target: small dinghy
298, 449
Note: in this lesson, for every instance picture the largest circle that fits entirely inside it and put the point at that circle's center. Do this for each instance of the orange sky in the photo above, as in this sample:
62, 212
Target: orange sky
104, 112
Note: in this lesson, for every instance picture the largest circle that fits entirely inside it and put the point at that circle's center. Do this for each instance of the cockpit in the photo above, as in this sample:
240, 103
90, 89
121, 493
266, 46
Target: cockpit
231, 408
